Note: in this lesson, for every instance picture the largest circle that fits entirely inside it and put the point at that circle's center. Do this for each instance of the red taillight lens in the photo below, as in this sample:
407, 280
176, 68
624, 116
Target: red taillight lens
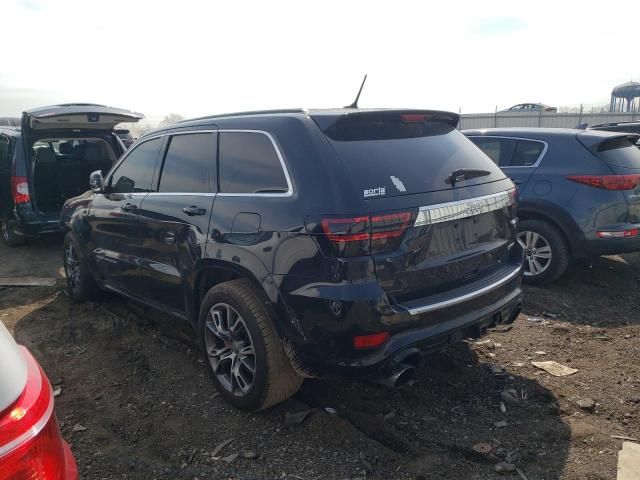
413, 118
387, 231
351, 229
361, 342
20, 190
359, 235
31, 446
608, 182
618, 233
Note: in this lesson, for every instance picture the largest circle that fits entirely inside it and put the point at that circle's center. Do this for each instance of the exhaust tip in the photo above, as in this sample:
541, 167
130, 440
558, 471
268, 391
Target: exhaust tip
405, 375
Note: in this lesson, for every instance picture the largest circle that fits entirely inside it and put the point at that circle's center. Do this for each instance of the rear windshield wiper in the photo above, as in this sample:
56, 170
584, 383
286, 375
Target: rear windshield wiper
465, 174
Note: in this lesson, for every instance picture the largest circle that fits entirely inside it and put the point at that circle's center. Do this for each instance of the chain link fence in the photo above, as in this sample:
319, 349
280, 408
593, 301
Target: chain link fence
542, 119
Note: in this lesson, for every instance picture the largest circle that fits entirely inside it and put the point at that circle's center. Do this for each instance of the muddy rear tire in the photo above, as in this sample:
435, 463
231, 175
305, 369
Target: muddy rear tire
242, 349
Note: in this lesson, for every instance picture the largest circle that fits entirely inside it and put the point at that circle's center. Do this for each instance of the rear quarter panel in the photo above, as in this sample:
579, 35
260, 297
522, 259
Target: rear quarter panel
578, 209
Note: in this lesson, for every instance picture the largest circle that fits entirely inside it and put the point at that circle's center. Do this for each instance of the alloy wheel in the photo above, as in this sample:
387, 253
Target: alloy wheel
537, 253
230, 349
72, 267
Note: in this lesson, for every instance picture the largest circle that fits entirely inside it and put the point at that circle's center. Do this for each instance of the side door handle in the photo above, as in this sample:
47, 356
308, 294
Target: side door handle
129, 207
193, 210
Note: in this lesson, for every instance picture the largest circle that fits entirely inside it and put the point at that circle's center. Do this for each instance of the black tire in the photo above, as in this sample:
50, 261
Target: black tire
558, 247
81, 285
273, 379
9, 235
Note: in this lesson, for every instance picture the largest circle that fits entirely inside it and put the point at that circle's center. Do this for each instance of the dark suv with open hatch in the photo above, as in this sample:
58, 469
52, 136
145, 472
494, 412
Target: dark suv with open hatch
305, 243
47, 160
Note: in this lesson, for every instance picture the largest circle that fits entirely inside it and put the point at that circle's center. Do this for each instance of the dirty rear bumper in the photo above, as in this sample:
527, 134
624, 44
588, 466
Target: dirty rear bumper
327, 350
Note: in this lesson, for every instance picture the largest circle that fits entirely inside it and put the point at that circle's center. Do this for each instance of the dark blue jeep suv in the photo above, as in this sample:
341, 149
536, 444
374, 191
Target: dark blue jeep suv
579, 192
305, 243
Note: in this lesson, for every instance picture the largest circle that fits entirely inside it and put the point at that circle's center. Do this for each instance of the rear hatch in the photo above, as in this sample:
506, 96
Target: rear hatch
80, 116
619, 152
438, 210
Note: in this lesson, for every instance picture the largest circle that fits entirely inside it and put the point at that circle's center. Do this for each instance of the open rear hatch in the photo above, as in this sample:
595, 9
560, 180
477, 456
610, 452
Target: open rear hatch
440, 212
77, 116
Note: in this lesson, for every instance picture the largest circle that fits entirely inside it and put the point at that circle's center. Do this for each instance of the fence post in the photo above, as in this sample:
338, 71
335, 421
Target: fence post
495, 117
539, 117
580, 117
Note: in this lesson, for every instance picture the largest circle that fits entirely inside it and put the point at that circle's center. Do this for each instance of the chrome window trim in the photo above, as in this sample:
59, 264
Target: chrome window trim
535, 164
287, 177
444, 212
170, 194
468, 296
283, 164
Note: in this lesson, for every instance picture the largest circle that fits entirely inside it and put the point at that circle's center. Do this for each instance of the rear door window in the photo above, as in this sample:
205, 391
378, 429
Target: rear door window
526, 153
135, 173
187, 164
500, 150
248, 163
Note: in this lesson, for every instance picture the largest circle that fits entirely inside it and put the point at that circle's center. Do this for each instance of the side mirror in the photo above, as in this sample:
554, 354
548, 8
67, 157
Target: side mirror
96, 182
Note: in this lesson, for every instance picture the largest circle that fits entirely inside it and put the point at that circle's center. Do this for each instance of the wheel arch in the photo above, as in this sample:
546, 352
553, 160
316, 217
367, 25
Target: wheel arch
556, 217
211, 272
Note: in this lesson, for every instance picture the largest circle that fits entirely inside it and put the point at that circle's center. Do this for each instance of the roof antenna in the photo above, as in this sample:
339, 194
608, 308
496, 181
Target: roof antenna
355, 102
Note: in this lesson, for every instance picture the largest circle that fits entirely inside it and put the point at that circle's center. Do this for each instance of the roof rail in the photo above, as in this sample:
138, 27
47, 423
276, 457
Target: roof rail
242, 114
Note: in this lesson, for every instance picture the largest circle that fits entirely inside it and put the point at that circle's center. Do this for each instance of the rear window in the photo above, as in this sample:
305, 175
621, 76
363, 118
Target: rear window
527, 153
620, 151
403, 155
249, 164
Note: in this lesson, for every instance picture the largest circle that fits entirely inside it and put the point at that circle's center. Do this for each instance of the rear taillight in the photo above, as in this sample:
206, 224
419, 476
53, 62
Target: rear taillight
363, 342
360, 235
31, 446
20, 190
346, 236
608, 182
633, 232
387, 231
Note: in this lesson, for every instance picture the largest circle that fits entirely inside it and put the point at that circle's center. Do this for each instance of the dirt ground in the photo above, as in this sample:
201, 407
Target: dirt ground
135, 381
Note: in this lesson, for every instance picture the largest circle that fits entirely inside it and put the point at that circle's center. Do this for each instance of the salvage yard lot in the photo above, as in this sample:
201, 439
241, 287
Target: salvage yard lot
136, 402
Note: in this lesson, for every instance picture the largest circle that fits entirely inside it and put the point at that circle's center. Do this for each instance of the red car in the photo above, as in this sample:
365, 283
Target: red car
31, 446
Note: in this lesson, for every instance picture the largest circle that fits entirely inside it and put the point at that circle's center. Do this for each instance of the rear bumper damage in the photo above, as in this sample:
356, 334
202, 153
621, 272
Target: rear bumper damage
326, 349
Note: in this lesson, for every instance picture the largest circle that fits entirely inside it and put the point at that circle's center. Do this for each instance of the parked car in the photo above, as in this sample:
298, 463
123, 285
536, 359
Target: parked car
48, 161
125, 136
531, 108
628, 127
579, 193
31, 445
305, 243
9, 122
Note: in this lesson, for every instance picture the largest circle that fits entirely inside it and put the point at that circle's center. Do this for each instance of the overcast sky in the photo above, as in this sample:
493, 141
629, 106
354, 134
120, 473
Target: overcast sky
197, 58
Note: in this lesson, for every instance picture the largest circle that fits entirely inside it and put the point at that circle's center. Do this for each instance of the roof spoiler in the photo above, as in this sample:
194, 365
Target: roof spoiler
325, 121
598, 143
